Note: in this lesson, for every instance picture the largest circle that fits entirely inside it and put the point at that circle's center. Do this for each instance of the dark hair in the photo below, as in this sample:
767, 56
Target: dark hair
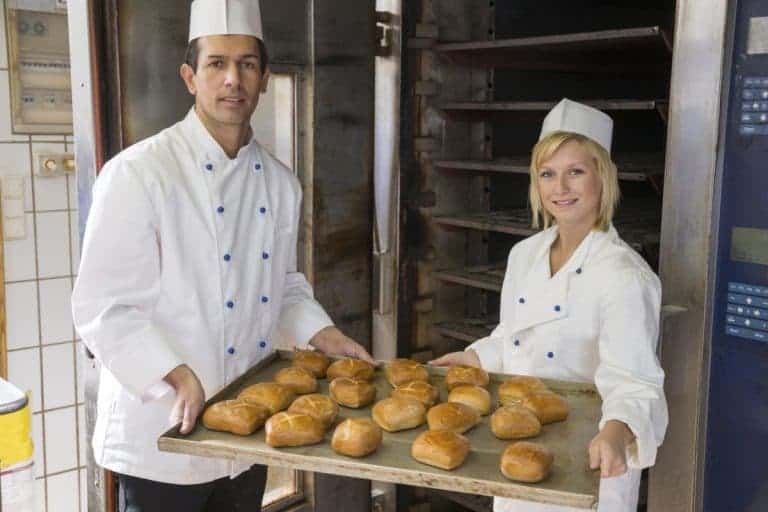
192, 53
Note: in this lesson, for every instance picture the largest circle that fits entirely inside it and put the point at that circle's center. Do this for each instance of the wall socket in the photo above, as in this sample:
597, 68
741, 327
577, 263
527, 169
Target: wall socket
55, 164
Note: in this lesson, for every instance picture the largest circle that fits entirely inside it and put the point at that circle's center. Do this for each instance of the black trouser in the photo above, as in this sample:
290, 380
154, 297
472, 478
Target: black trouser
242, 494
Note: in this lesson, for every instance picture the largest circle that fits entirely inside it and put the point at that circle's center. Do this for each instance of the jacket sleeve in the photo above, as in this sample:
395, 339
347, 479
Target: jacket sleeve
301, 316
118, 285
629, 377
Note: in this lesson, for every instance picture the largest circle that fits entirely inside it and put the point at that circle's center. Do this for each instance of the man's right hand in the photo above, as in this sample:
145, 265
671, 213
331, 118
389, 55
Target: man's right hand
190, 397
466, 357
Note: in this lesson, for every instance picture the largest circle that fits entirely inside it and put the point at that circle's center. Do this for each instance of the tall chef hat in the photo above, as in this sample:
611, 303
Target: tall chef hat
570, 116
222, 17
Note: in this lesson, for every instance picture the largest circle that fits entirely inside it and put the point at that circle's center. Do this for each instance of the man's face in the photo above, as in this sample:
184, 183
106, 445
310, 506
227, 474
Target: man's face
228, 79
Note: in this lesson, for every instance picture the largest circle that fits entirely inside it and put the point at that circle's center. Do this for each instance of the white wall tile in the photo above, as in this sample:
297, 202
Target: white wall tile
3, 45
72, 190
82, 438
55, 137
5, 110
60, 441
55, 310
83, 490
40, 495
50, 192
59, 376
15, 161
75, 238
20, 255
63, 495
53, 251
80, 366
21, 311
24, 373
37, 441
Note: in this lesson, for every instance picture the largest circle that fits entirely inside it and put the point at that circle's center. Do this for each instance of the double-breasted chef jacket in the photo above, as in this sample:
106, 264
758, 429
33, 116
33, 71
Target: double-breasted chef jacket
189, 257
596, 320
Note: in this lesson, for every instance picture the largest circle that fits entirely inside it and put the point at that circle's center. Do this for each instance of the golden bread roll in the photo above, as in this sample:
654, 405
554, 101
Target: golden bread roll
312, 360
351, 368
453, 416
356, 437
399, 413
443, 449
300, 380
424, 392
236, 416
293, 429
320, 407
524, 461
461, 374
514, 422
353, 393
400, 371
473, 396
514, 389
547, 406
275, 396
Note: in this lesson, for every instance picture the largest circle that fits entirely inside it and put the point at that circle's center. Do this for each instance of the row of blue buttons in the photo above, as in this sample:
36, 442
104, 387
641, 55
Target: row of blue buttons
747, 311
748, 289
747, 322
753, 129
231, 304
521, 300
746, 333
264, 255
754, 106
262, 344
756, 81
209, 167
757, 302
754, 94
754, 118
549, 354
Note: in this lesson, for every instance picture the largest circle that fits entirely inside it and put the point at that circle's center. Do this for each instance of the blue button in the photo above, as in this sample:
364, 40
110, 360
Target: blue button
521, 300
209, 167
550, 355
231, 350
263, 344
257, 166
230, 304
557, 308
265, 255
227, 257
578, 270
220, 209
517, 343
265, 299
263, 210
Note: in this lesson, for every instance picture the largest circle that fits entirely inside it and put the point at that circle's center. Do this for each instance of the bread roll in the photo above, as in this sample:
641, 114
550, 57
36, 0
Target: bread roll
548, 406
399, 413
236, 416
293, 429
400, 371
300, 380
473, 396
514, 389
524, 461
320, 407
312, 360
275, 396
352, 392
443, 449
356, 437
460, 374
351, 368
424, 392
514, 422
452, 416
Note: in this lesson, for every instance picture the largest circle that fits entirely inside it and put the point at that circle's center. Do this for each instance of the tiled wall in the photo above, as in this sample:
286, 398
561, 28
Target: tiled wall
43, 352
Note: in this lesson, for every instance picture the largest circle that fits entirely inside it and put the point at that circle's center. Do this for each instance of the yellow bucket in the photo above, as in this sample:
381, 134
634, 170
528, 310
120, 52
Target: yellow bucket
16, 478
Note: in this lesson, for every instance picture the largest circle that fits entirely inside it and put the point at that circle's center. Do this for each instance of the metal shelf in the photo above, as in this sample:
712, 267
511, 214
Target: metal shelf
486, 277
639, 50
467, 329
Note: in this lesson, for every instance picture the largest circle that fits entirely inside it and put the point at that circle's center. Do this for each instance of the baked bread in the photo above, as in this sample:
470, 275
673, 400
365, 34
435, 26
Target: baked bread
548, 406
300, 380
514, 389
399, 413
293, 429
473, 396
524, 461
312, 360
351, 368
235, 416
461, 374
514, 422
356, 437
424, 392
443, 449
453, 416
353, 393
275, 396
400, 371
320, 407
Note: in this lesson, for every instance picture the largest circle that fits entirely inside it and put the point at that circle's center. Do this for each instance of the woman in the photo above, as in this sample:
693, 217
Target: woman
580, 304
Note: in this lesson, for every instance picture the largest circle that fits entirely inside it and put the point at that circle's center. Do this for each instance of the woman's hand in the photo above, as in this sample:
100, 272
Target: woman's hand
331, 340
466, 357
190, 397
608, 449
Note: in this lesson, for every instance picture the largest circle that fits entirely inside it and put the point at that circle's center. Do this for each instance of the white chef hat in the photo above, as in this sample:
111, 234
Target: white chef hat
222, 17
570, 116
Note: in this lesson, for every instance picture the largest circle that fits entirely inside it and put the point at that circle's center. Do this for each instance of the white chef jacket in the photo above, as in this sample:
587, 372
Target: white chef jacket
189, 257
596, 320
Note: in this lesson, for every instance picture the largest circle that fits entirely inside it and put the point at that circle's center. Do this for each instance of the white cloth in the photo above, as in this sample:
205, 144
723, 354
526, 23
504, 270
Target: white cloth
188, 257
571, 116
225, 17
596, 320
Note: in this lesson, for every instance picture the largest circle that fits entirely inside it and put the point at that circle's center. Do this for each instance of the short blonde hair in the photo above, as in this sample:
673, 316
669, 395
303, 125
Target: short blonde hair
606, 170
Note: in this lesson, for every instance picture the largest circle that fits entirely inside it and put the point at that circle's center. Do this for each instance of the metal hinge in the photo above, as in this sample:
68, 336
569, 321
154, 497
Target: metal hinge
383, 34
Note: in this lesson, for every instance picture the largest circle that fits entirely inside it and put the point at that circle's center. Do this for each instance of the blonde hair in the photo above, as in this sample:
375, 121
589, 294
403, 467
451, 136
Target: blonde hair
606, 171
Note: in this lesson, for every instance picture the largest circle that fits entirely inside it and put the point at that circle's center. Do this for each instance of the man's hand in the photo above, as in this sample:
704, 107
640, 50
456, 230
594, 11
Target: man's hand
189, 397
608, 449
332, 341
466, 357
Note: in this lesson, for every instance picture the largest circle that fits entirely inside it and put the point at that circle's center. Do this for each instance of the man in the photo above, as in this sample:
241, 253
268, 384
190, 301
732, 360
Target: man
188, 273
